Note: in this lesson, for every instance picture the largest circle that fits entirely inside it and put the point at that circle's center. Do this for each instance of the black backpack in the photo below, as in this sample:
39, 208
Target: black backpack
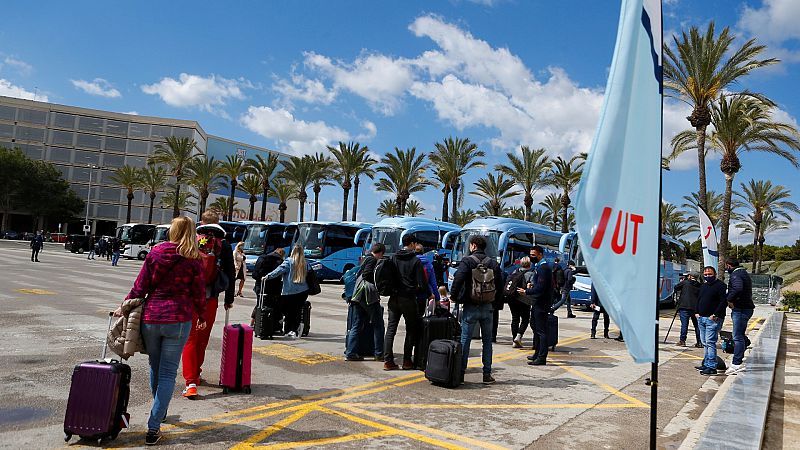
512, 283
387, 277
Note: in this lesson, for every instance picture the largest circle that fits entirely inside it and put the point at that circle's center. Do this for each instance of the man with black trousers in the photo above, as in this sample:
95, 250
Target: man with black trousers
476, 313
688, 289
272, 288
541, 290
403, 303
565, 279
740, 301
710, 316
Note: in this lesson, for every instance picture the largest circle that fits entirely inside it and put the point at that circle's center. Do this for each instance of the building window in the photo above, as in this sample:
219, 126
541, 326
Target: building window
80, 173
32, 151
80, 190
62, 138
6, 131
32, 116
135, 162
113, 161
64, 170
140, 130
89, 141
30, 134
115, 144
159, 132
90, 124
62, 120
60, 154
117, 128
7, 113
182, 132
87, 157
107, 211
138, 147
110, 194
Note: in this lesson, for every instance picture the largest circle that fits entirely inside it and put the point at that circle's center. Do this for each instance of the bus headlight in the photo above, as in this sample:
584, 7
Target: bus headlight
316, 266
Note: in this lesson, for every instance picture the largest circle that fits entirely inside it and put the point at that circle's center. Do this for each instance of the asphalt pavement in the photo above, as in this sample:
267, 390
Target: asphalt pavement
53, 315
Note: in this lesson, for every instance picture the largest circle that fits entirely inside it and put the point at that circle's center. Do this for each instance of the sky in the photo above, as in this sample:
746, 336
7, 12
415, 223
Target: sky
297, 76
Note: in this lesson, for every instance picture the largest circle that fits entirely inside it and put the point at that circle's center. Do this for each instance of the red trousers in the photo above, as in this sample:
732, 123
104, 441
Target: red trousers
194, 352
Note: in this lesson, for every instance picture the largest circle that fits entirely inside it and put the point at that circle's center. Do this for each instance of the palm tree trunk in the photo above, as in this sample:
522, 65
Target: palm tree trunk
701, 166
344, 203
756, 254
528, 201
317, 189
175, 210
230, 198
454, 188
302, 210
282, 209
203, 201
760, 252
252, 207
150, 214
726, 219
565, 213
264, 203
130, 200
355, 197
445, 212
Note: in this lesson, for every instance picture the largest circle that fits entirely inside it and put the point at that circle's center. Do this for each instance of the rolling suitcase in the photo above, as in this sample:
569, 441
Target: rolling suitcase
264, 320
441, 326
552, 331
237, 352
98, 398
305, 319
444, 363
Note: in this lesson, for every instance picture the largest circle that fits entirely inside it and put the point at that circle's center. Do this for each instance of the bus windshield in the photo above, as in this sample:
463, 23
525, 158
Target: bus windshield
135, 234
390, 237
255, 239
162, 234
311, 237
461, 247
124, 233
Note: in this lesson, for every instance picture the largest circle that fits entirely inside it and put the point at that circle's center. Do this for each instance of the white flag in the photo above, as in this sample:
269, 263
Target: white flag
708, 236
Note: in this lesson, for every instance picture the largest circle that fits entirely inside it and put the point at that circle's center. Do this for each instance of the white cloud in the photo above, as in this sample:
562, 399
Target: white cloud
377, 78
188, 90
370, 131
98, 86
19, 65
303, 89
300, 136
9, 90
775, 23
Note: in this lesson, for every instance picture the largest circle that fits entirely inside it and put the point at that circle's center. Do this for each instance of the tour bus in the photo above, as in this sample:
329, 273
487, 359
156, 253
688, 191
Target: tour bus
261, 238
507, 240
434, 235
672, 259
332, 248
135, 237
234, 231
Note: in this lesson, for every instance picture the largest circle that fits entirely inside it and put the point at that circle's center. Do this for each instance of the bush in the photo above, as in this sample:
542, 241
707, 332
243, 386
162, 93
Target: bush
791, 299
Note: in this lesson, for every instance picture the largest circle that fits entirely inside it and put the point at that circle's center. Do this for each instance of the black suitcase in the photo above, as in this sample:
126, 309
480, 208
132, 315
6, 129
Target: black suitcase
305, 318
365, 346
97, 407
264, 320
433, 327
445, 362
552, 331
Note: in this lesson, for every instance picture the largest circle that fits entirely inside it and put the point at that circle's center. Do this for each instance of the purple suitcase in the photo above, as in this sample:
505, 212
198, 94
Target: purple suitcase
98, 399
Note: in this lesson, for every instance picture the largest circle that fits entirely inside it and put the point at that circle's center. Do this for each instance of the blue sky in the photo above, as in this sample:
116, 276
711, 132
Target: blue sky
294, 76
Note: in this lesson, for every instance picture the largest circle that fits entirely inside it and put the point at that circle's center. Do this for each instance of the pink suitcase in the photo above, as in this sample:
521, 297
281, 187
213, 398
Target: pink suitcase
237, 352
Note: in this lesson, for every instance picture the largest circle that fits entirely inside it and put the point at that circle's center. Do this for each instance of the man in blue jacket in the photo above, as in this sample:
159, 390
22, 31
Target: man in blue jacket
740, 301
541, 290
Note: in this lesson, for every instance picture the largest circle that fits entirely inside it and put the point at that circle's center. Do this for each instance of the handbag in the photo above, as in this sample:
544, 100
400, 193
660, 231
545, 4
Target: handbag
312, 282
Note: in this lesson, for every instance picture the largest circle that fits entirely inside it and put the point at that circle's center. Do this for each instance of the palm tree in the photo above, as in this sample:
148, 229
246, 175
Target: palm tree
404, 175
516, 212
387, 208
443, 163
566, 175
463, 217
232, 169
251, 185
130, 178
768, 224
465, 155
184, 202
704, 66
300, 172
284, 191
264, 168
204, 175
529, 172
347, 157
177, 154
323, 172
552, 204
153, 179
362, 165
541, 216
496, 190
744, 122
762, 197
414, 209
673, 221
221, 205
714, 202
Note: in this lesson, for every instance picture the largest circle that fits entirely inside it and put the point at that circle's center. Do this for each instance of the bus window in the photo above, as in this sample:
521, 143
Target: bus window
548, 242
310, 237
339, 238
519, 245
429, 239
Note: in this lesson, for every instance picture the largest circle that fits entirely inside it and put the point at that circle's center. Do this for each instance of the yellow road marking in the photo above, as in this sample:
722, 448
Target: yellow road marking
451, 406
294, 354
272, 429
35, 291
754, 323
602, 385
327, 441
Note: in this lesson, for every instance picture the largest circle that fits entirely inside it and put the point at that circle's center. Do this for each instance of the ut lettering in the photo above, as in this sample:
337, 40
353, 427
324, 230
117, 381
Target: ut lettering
622, 224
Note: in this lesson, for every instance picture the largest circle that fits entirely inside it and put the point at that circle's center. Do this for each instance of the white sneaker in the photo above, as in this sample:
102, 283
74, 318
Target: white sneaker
291, 335
734, 369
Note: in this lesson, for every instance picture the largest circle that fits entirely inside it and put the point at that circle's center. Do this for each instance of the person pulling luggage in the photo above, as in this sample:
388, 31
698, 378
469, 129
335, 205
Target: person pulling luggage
294, 289
541, 291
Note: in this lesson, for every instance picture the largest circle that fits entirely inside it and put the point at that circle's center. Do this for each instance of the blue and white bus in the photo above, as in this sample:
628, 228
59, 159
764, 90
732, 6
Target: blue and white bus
332, 248
434, 235
261, 238
672, 263
507, 240
234, 231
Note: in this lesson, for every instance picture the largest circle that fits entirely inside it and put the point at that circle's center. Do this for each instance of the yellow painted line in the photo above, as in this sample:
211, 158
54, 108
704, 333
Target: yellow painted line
450, 406
35, 291
602, 385
327, 441
294, 354
272, 429
754, 323
423, 428
404, 433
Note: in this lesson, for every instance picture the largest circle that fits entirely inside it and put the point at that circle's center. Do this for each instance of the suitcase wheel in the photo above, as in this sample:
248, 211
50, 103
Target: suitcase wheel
67, 437
246, 389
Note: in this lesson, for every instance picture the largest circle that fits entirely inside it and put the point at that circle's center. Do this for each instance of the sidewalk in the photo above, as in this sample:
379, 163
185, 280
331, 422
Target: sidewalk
783, 417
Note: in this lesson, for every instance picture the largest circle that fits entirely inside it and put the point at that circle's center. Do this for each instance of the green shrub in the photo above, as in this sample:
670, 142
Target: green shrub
791, 299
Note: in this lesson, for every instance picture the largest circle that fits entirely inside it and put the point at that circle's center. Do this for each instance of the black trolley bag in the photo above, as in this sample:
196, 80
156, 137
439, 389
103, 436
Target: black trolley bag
445, 362
442, 324
264, 320
305, 319
97, 407
552, 331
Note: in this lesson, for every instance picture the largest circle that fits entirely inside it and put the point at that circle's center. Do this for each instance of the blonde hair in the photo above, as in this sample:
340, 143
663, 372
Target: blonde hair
525, 262
209, 216
240, 247
443, 291
182, 232
299, 263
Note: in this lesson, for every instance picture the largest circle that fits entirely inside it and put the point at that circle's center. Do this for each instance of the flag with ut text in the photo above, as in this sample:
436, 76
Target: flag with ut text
708, 237
617, 210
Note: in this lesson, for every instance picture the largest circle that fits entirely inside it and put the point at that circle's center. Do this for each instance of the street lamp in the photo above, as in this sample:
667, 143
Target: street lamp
86, 227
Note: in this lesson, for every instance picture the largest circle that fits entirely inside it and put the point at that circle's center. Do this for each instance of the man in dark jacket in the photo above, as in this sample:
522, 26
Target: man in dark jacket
740, 301
472, 312
364, 315
272, 288
566, 278
541, 291
710, 316
686, 306
36, 246
597, 309
403, 303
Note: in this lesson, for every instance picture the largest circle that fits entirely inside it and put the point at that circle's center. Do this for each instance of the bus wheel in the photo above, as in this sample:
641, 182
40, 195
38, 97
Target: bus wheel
142, 255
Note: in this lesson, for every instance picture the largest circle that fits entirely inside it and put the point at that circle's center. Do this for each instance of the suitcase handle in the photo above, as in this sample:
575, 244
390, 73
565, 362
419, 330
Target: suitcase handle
105, 338
227, 316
